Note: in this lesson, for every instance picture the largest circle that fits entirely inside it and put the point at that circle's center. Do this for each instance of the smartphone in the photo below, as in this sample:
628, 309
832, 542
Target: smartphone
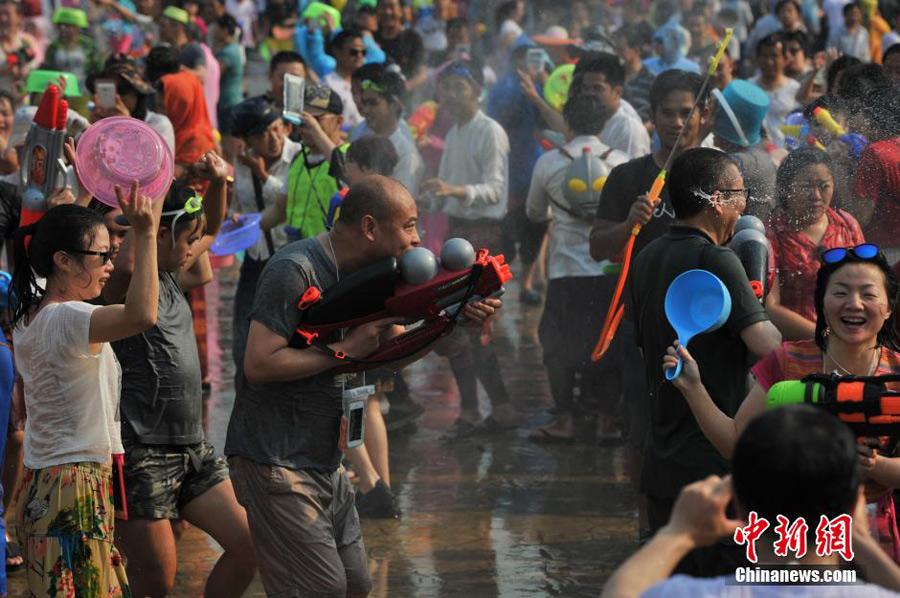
353, 420
294, 87
534, 61
106, 93
463, 52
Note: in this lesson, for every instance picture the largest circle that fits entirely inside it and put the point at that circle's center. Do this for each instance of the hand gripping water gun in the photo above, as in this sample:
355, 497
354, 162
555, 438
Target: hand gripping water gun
616, 308
856, 141
798, 135
44, 170
862, 402
413, 287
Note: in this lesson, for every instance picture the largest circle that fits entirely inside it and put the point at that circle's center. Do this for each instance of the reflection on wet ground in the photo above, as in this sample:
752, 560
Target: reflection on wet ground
492, 516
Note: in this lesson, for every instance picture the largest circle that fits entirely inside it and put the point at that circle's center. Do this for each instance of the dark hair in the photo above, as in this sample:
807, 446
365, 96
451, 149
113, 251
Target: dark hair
504, 11
285, 57
796, 461
895, 49
67, 228
837, 67
228, 23
796, 36
342, 37
883, 112
676, 80
848, 7
192, 55
394, 88
773, 39
585, 114
858, 81
793, 165
603, 63
374, 153
782, 3
162, 60
826, 101
98, 206
9, 97
473, 66
695, 169
373, 196
632, 35
368, 71
365, 9
887, 336
142, 103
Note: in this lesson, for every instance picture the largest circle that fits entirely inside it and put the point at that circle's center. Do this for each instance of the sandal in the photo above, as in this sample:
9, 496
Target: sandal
13, 552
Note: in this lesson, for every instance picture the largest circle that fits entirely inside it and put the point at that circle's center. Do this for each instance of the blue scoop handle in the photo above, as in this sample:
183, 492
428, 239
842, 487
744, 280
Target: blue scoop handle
672, 373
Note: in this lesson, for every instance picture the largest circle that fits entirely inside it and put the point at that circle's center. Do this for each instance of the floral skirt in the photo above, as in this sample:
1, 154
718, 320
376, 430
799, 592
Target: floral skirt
64, 521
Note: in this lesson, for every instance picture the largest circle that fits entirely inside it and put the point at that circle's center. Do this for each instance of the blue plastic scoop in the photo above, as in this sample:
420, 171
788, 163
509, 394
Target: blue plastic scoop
696, 302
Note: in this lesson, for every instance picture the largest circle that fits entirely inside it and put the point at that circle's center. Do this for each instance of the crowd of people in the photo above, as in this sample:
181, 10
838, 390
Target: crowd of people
389, 125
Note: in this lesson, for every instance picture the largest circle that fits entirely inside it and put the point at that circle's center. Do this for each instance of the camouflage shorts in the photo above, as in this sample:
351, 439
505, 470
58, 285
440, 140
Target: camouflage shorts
160, 480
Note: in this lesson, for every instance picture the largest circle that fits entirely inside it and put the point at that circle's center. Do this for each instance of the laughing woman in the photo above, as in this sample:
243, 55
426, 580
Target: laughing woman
854, 336
65, 514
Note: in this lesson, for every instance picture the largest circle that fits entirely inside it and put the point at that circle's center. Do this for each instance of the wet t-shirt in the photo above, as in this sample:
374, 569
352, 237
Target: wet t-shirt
161, 394
294, 424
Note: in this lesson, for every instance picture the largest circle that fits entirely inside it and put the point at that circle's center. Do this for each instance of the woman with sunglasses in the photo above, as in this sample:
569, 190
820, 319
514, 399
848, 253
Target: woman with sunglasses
803, 225
71, 378
171, 471
854, 334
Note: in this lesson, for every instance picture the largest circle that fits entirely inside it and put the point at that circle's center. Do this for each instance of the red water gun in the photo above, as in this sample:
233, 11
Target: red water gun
380, 291
44, 170
422, 119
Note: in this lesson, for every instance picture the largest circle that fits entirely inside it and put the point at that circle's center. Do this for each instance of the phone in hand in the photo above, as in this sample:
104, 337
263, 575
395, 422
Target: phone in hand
106, 94
534, 61
294, 88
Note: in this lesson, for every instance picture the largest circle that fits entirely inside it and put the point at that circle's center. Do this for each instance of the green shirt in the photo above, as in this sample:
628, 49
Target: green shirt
232, 78
310, 188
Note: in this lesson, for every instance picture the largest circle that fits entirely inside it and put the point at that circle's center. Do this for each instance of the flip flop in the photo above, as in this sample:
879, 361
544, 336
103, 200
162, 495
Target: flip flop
543, 436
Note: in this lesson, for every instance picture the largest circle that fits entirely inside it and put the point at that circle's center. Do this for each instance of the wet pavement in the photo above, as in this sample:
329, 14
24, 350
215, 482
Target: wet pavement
493, 516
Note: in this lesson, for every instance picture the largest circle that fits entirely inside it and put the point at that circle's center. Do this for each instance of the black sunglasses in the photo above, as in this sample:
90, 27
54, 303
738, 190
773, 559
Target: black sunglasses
866, 251
354, 52
106, 255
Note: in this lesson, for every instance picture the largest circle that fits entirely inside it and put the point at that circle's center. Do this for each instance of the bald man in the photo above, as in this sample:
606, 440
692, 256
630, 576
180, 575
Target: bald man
282, 440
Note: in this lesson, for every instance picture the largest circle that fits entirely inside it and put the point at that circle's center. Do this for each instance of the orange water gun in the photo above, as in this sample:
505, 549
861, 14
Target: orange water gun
616, 307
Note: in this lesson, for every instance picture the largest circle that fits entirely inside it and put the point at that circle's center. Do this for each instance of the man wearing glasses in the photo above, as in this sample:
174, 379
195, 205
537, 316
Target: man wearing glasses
349, 51
708, 196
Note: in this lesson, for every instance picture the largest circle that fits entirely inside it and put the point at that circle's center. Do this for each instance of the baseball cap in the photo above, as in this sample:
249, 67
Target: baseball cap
71, 16
319, 98
253, 116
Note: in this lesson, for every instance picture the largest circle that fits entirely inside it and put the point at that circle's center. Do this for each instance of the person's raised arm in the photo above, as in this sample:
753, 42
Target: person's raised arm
721, 430
793, 326
115, 322
215, 202
698, 519
553, 119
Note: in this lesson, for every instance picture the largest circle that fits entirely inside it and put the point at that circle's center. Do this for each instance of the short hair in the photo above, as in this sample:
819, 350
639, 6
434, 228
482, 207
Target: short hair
342, 37
392, 85
366, 9
796, 461
895, 49
472, 66
585, 114
676, 80
837, 67
632, 36
848, 7
192, 56
372, 196
162, 60
228, 23
773, 39
858, 81
603, 63
374, 153
368, 71
285, 57
698, 169
782, 3
796, 36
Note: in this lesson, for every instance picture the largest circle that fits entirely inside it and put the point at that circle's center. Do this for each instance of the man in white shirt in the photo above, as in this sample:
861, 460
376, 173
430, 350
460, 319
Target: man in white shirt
382, 106
603, 75
260, 181
349, 51
578, 289
472, 186
773, 476
851, 38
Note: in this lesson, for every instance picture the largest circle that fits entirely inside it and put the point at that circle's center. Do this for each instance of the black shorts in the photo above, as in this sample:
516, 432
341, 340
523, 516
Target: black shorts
161, 479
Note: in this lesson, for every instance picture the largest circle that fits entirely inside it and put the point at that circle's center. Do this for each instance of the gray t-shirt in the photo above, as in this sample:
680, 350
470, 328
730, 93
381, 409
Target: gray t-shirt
293, 424
161, 395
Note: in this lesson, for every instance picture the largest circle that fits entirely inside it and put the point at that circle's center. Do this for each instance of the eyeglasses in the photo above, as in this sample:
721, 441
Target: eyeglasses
193, 205
354, 52
740, 192
867, 251
369, 84
106, 255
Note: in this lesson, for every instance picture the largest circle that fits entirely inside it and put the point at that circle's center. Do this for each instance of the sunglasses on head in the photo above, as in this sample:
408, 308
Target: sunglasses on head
866, 251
